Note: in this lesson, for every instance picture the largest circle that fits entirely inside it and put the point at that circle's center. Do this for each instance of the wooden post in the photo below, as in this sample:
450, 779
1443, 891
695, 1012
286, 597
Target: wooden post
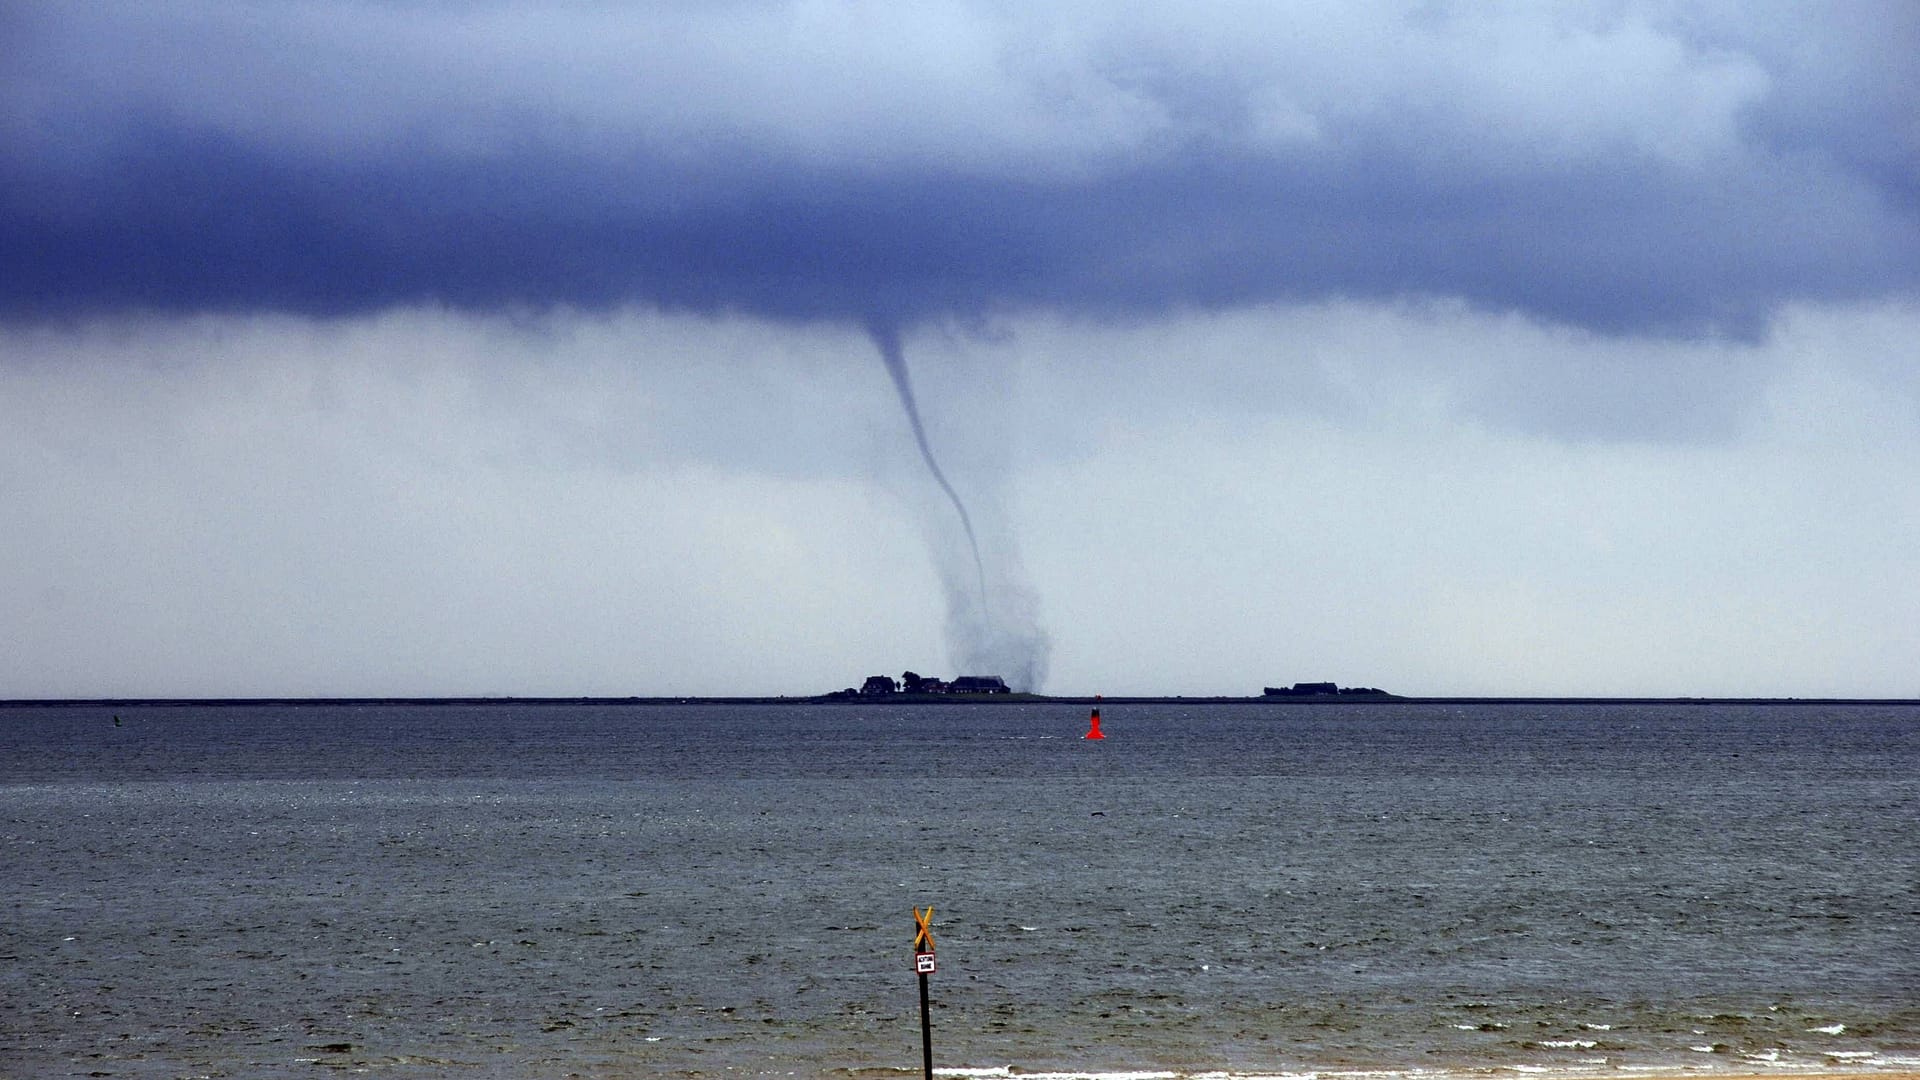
926, 1029
923, 963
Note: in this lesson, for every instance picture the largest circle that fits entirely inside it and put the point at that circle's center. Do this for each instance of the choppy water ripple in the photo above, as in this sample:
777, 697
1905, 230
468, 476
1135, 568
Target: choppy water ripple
509, 892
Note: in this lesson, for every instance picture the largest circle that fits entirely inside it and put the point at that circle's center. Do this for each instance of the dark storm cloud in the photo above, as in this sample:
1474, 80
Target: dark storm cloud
161, 194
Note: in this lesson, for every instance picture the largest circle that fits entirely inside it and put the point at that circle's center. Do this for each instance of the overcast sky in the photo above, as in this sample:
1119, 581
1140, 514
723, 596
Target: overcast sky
535, 347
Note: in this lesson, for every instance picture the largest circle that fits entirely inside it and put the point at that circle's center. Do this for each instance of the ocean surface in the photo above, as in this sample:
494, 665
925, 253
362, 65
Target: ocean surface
520, 891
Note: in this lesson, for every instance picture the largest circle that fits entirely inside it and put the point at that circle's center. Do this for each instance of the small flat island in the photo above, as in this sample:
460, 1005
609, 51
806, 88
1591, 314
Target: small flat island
1323, 690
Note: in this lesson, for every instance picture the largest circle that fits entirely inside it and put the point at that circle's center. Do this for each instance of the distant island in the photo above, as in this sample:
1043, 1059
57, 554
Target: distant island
912, 683
1323, 689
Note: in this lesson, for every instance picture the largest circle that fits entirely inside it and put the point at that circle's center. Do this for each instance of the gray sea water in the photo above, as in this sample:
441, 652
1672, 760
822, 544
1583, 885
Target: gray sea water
631, 891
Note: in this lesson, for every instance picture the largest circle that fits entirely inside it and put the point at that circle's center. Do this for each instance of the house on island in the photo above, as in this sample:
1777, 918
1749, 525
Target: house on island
978, 684
1303, 688
915, 683
877, 685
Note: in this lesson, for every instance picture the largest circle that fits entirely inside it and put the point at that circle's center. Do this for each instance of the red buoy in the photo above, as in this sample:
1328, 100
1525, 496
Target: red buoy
1094, 731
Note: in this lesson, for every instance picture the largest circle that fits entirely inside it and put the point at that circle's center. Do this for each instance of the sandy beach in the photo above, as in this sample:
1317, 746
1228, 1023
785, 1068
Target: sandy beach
1851, 1073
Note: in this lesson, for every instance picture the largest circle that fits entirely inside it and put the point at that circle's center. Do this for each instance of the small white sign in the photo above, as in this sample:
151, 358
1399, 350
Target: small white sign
923, 963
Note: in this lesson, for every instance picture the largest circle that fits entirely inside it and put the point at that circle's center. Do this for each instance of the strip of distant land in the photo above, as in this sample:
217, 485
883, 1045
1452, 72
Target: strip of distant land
1287, 700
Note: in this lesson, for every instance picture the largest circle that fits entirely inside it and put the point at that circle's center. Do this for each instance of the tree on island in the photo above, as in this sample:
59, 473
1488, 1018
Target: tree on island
911, 682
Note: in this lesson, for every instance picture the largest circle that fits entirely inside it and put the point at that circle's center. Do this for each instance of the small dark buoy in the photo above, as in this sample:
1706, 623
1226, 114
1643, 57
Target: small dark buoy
116, 719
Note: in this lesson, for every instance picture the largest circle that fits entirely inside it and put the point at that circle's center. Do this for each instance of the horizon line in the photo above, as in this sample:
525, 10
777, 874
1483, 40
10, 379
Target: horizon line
903, 698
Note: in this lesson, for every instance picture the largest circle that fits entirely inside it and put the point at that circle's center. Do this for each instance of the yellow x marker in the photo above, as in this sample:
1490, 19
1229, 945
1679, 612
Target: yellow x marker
923, 938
